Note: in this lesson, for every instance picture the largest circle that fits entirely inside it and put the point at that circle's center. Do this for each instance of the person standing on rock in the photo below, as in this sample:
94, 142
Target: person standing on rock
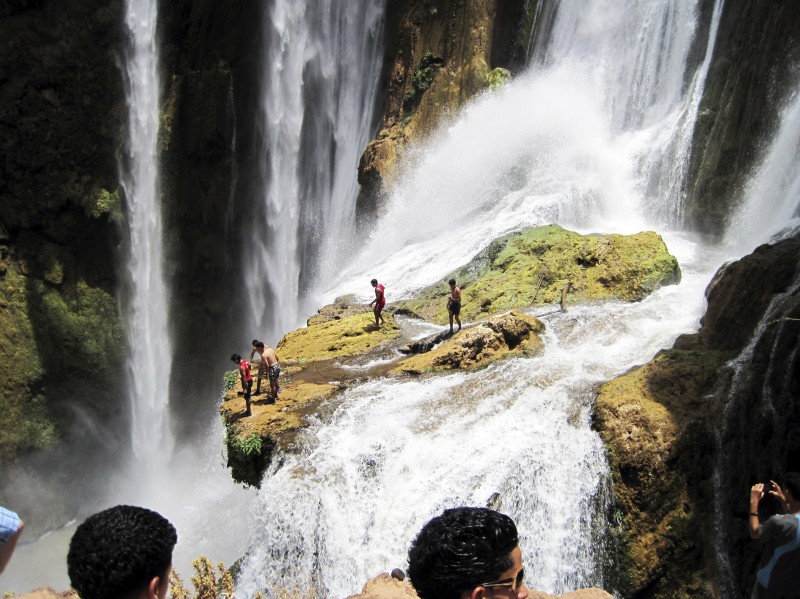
258, 348
273, 366
246, 378
454, 304
467, 553
778, 573
379, 301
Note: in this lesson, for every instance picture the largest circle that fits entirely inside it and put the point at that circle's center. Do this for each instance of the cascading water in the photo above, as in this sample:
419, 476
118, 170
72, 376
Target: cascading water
145, 303
563, 144
322, 65
777, 177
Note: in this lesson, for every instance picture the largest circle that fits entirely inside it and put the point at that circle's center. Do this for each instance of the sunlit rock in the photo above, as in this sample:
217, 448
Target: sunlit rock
533, 267
512, 333
347, 336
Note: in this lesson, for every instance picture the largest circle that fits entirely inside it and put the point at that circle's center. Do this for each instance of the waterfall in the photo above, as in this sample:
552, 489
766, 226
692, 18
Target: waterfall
777, 180
146, 298
564, 143
321, 72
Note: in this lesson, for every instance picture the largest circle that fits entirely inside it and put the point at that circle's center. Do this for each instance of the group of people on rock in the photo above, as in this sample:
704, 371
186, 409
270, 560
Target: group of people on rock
453, 303
464, 553
268, 363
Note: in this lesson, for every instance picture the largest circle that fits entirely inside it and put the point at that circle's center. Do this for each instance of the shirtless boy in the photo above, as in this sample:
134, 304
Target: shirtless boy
454, 304
379, 301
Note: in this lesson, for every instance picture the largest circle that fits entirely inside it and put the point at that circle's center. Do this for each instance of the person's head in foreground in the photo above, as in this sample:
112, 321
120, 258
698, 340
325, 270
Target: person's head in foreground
124, 552
467, 553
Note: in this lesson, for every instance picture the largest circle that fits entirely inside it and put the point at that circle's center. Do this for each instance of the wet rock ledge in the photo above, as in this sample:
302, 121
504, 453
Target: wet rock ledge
536, 267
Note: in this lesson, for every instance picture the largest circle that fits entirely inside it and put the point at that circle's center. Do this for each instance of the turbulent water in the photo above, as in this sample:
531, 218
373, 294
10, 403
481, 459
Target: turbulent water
589, 138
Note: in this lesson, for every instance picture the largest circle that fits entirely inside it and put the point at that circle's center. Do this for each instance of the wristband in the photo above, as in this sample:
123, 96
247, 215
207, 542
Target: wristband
754, 514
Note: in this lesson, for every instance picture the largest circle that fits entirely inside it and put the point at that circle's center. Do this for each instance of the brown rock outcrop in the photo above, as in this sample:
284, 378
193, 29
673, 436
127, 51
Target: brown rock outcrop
438, 57
512, 333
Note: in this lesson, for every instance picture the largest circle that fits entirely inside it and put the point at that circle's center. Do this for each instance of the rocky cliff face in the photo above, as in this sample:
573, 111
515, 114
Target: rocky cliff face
439, 55
61, 115
722, 402
753, 72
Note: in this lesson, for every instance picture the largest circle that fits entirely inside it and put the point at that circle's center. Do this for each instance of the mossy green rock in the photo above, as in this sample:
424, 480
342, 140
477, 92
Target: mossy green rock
513, 333
534, 265
348, 336
652, 419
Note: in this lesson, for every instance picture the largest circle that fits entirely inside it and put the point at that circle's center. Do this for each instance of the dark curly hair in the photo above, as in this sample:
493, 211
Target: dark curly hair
459, 550
117, 552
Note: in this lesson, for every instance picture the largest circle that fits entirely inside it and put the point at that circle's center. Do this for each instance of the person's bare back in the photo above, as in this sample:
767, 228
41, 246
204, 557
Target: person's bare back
270, 356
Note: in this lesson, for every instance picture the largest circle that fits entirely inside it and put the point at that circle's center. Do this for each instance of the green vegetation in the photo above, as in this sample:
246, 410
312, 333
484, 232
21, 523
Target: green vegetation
248, 456
231, 378
422, 80
498, 78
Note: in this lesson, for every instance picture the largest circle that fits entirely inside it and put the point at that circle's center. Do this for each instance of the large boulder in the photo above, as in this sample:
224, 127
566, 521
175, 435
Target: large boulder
438, 57
533, 267
512, 333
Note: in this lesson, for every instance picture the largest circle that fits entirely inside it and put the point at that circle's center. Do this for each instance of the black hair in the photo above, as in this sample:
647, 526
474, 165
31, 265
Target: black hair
374, 282
115, 553
451, 282
259, 344
792, 484
236, 358
459, 550
255, 342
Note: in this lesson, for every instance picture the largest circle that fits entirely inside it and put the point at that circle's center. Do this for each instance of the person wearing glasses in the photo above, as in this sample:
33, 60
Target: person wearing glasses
467, 553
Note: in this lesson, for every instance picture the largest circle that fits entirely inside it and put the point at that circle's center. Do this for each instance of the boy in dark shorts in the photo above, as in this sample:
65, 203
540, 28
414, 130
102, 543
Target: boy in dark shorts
454, 304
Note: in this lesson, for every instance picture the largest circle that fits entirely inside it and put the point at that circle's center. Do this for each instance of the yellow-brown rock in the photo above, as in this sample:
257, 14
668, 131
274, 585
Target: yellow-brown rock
653, 421
250, 440
384, 586
440, 58
349, 336
512, 333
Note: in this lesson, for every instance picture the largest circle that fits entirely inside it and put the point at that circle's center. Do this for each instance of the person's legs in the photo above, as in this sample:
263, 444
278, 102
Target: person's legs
260, 376
274, 376
247, 397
